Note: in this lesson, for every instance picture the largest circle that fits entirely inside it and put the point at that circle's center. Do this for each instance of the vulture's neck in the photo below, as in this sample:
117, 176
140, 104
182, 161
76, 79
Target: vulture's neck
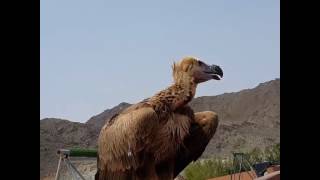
175, 96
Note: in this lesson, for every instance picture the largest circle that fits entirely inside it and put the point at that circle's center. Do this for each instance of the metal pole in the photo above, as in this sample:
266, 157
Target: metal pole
70, 170
74, 168
58, 169
250, 168
240, 168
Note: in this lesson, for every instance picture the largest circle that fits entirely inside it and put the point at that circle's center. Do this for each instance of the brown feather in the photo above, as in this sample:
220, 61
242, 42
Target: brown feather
124, 136
144, 140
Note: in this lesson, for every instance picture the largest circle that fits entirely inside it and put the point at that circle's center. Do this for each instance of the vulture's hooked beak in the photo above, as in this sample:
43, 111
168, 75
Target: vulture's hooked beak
215, 71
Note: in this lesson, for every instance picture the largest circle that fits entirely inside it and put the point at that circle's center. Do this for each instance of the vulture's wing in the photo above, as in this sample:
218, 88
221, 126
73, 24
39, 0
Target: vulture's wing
122, 143
195, 144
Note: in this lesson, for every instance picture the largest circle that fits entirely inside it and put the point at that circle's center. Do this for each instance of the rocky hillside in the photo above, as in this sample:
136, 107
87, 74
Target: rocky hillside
96, 122
58, 133
249, 118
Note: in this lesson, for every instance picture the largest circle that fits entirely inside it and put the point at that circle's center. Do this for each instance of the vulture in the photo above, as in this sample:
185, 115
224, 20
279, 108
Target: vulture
159, 136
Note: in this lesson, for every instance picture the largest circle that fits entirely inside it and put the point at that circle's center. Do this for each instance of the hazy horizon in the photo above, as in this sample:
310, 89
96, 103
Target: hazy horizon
97, 54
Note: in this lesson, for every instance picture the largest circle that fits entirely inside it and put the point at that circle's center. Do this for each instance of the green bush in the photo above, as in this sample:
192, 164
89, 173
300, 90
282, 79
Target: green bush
272, 154
256, 155
204, 169
215, 166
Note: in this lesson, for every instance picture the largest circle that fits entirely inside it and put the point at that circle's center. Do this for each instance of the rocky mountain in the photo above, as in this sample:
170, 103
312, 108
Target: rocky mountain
58, 133
249, 118
96, 122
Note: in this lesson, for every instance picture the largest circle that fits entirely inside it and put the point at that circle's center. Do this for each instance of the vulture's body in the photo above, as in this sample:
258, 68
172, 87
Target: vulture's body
158, 137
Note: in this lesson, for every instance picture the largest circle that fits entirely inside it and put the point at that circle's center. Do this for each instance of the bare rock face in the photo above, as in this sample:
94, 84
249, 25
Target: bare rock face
97, 121
249, 118
58, 133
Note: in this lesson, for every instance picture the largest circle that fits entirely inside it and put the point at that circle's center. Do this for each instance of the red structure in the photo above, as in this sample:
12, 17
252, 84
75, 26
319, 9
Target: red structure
273, 173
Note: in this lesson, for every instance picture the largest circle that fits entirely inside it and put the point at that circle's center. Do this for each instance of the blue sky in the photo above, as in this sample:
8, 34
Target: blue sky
96, 54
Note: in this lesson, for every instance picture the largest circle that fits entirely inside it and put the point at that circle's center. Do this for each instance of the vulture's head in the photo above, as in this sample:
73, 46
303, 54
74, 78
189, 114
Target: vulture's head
196, 69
